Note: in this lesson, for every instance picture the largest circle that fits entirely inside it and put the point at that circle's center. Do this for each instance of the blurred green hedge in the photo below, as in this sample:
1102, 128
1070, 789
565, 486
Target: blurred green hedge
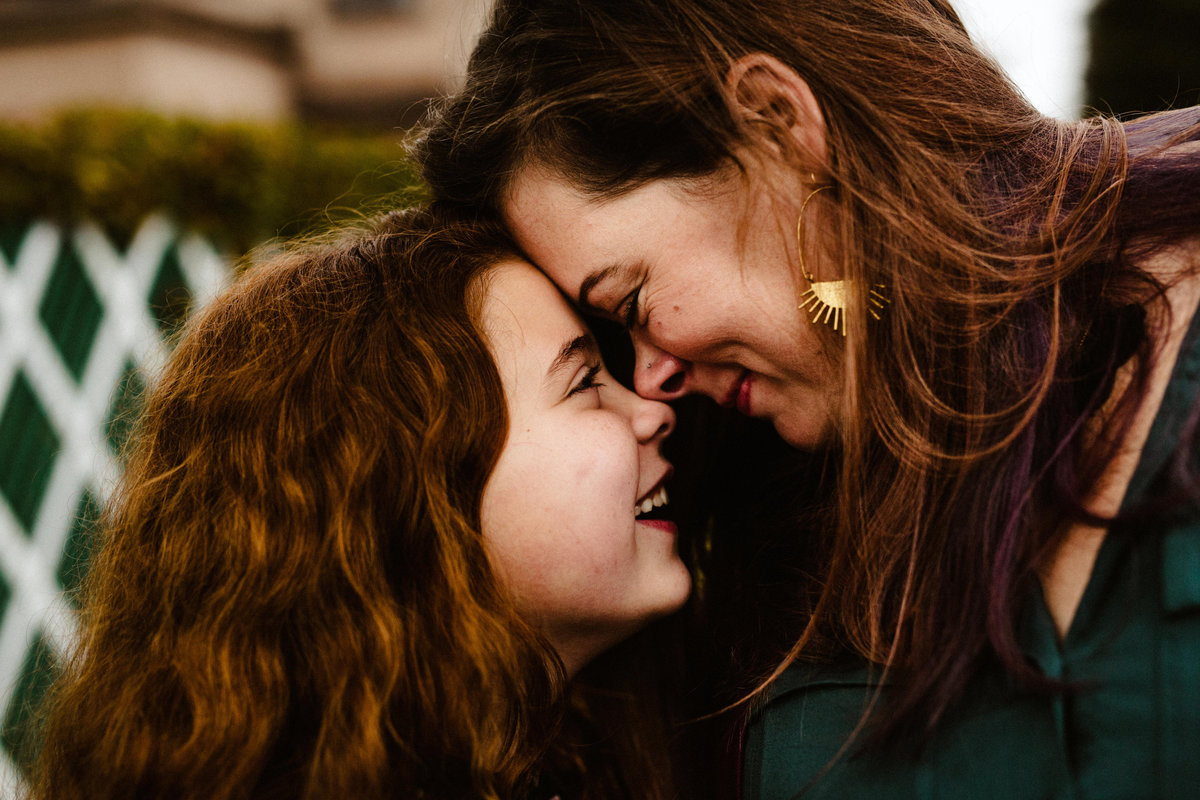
236, 183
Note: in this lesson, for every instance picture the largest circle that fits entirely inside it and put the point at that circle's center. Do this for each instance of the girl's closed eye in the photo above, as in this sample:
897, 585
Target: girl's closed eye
588, 381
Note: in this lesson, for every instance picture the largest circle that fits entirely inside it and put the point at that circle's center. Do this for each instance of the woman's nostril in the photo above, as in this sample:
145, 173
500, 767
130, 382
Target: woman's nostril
673, 383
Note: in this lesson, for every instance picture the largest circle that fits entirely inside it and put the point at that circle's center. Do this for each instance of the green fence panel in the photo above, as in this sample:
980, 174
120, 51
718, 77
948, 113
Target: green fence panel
83, 329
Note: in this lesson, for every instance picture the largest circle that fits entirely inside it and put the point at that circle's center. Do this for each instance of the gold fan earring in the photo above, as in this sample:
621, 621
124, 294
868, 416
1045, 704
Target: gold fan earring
826, 300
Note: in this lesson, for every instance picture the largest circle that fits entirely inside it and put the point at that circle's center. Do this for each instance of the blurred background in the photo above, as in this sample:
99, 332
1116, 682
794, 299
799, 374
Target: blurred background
146, 144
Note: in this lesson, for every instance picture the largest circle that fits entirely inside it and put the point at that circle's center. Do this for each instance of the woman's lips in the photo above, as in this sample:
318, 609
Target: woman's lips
665, 525
743, 394
738, 390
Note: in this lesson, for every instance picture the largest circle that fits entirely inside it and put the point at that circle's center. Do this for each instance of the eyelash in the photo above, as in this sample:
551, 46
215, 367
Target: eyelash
587, 382
629, 315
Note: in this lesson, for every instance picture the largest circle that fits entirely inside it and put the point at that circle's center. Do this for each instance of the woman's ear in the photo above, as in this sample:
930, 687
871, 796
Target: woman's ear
763, 92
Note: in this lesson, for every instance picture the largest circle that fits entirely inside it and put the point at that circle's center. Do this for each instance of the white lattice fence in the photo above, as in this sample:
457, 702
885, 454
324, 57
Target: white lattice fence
82, 327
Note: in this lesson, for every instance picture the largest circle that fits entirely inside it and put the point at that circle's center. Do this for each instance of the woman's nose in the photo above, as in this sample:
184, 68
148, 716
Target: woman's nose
657, 374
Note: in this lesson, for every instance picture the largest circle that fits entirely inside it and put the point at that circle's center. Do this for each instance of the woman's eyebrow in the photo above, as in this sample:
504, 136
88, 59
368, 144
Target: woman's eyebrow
590, 283
582, 345
620, 271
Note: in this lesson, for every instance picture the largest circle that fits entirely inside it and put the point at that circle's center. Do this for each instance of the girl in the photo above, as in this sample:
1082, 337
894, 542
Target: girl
383, 504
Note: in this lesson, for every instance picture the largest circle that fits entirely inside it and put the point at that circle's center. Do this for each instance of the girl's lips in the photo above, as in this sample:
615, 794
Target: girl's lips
743, 394
661, 524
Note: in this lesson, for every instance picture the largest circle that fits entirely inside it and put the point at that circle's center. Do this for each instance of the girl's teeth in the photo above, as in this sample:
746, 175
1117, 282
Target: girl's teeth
658, 500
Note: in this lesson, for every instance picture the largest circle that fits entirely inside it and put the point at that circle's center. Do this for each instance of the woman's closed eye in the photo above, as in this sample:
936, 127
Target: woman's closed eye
588, 381
628, 311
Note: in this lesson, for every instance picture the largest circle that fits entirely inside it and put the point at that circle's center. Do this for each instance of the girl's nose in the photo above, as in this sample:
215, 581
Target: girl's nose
652, 420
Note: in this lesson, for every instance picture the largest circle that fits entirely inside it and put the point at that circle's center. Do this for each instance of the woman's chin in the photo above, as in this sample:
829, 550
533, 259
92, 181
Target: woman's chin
805, 431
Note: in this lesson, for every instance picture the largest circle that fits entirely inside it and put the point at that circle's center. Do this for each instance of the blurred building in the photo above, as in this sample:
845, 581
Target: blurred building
353, 61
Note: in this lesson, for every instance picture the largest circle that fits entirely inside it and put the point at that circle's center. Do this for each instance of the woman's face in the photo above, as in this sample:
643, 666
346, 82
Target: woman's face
706, 284
573, 512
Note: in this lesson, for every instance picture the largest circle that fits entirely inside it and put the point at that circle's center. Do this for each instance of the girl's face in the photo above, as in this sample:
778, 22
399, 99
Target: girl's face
573, 512
705, 283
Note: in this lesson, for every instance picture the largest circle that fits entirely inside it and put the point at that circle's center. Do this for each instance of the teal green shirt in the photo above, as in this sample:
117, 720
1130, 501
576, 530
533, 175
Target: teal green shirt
1132, 729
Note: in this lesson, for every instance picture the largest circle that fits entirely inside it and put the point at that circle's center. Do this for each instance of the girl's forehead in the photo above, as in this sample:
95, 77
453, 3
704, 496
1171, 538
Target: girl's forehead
522, 310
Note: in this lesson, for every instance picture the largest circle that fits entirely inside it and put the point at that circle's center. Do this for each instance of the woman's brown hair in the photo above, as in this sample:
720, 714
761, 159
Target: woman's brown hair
292, 598
1009, 245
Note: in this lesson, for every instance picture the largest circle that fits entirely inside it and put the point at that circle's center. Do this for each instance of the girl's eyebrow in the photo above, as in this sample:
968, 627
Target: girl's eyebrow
582, 345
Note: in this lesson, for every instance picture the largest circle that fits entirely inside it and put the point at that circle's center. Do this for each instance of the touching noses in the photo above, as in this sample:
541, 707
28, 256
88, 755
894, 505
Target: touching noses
657, 374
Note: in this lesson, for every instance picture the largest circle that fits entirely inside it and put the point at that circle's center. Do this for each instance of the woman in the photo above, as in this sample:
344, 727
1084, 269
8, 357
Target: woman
383, 504
842, 218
